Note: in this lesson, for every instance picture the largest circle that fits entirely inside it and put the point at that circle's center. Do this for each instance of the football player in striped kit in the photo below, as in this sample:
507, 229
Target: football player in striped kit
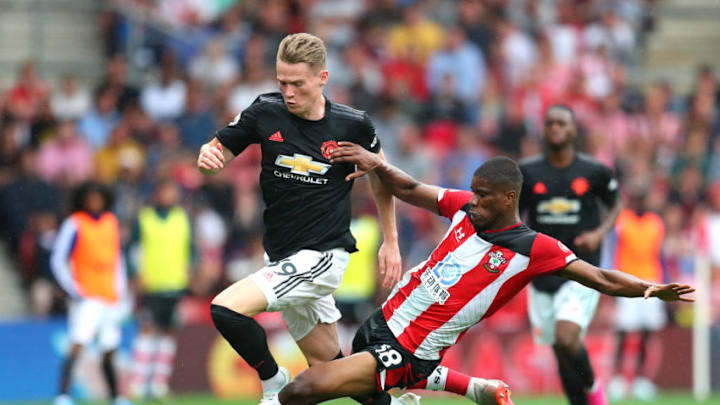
486, 257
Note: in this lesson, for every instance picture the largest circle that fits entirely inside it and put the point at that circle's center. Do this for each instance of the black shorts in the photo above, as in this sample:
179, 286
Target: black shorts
159, 309
396, 367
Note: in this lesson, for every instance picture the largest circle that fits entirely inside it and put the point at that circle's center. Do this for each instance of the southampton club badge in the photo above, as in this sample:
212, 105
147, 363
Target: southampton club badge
496, 260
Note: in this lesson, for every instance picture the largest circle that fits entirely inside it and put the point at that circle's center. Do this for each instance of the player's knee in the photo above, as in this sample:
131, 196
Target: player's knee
567, 343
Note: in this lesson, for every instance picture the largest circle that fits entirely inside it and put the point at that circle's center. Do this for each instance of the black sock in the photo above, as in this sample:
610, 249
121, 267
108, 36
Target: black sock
109, 373
581, 364
66, 374
248, 339
377, 398
576, 374
644, 337
619, 352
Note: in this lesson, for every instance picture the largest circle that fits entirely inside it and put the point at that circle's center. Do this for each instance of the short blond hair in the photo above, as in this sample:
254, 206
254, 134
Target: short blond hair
303, 48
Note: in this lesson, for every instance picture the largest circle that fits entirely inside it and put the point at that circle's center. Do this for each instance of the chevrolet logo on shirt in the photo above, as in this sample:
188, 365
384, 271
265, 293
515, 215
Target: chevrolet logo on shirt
301, 164
558, 211
559, 206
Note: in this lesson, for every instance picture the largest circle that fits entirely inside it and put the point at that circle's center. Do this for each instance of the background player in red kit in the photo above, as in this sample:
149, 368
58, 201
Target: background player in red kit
484, 259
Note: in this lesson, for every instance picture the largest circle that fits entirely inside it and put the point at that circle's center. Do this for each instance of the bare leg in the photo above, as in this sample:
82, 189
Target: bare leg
321, 344
351, 376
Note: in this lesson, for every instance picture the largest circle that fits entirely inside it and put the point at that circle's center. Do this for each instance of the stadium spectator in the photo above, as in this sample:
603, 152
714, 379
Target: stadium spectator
97, 124
65, 159
24, 98
116, 80
164, 98
214, 67
71, 102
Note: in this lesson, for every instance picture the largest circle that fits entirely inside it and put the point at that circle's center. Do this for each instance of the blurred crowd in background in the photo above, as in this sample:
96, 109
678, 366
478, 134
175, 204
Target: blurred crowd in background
448, 84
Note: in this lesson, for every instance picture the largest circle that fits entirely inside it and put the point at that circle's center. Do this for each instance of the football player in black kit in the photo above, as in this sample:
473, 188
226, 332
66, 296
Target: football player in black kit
561, 197
307, 216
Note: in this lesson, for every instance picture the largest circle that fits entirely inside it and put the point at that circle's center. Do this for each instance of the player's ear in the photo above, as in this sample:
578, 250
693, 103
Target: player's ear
324, 75
511, 196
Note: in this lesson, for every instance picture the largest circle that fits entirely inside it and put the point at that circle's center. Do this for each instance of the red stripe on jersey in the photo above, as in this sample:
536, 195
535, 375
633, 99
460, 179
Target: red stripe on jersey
469, 285
457, 235
507, 291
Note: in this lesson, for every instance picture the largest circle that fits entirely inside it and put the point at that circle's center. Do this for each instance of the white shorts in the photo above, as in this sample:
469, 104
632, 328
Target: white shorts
301, 286
573, 302
91, 318
634, 314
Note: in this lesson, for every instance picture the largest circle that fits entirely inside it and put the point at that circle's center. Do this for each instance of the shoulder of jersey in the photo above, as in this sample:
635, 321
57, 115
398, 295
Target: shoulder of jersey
589, 160
269, 99
343, 111
532, 160
519, 239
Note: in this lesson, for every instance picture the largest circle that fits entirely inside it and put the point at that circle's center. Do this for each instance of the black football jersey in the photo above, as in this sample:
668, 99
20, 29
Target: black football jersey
307, 200
564, 203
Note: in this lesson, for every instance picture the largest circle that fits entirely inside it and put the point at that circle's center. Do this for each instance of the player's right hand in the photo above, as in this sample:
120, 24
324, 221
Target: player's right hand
670, 292
211, 158
348, 152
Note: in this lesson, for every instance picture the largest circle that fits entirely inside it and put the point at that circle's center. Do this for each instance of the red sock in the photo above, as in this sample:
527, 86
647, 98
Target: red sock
457, 382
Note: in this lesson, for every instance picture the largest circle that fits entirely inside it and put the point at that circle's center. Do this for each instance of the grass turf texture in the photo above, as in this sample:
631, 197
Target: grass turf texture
665, 399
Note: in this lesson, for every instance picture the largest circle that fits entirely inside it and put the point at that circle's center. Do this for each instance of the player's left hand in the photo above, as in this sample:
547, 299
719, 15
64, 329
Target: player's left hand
390, 263
670, 292
363, 159
588, 242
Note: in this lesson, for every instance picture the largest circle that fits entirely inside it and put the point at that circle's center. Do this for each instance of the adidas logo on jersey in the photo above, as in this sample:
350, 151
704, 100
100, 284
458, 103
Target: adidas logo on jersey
277, 137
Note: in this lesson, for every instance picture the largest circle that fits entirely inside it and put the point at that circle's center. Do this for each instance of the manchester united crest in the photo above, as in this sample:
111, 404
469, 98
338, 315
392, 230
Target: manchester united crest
327, 148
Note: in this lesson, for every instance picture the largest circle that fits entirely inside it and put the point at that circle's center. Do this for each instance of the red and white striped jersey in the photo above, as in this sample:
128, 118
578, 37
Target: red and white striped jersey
468, 277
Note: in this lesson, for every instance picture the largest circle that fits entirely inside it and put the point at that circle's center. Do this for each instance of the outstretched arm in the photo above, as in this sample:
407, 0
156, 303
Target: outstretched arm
617, 283
399, 183
390, 263
213, 157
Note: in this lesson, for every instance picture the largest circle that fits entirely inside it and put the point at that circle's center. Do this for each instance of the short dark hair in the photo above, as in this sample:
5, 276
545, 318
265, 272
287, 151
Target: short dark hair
501, 170
564, 108
87, 188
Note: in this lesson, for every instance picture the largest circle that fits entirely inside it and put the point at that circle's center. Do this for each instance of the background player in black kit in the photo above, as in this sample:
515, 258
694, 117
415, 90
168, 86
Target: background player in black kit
561, 197
307, 216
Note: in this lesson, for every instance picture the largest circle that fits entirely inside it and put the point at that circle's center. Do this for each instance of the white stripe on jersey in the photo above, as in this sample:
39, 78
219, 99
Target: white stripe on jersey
419, 299
470, 314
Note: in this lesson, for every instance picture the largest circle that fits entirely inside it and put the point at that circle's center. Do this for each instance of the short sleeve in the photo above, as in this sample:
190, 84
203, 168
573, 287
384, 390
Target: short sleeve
241, 132
369, 139
607, 188
450, 201
549, 255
